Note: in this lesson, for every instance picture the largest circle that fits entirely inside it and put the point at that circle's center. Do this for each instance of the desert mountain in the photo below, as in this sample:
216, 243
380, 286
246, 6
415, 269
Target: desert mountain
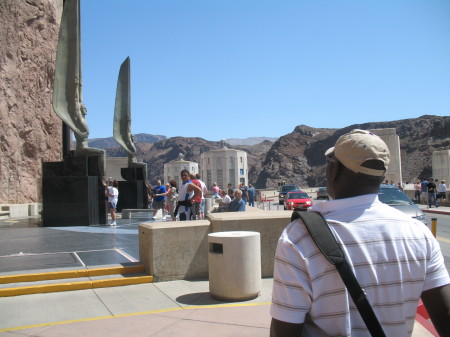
110, 142
298, 157
249, 140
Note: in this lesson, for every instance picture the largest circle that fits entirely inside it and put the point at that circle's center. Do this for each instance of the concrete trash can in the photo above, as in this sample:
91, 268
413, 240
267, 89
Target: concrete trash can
234, 264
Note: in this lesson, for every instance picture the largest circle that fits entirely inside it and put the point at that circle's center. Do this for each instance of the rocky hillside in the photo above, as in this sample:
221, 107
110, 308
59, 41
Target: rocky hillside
298, 157
249, 140
110, 142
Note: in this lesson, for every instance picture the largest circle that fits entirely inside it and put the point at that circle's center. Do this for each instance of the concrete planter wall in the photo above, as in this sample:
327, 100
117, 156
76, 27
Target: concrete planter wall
179, 250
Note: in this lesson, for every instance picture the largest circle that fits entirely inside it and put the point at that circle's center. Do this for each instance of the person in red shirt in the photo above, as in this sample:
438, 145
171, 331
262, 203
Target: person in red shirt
196, 206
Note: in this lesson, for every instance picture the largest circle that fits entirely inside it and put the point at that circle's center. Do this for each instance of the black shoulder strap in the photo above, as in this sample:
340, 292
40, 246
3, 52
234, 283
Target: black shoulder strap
326, 242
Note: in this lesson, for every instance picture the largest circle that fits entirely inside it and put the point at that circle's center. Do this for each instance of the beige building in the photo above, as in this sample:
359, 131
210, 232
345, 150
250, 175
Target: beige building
113, 167
224, 166
440, 162
173, 169
389, 136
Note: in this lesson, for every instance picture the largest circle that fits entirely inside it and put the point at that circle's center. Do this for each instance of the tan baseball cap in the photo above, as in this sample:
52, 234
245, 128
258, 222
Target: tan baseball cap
358, 146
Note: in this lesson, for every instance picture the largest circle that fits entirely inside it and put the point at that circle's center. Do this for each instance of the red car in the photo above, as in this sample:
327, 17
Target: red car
297, 200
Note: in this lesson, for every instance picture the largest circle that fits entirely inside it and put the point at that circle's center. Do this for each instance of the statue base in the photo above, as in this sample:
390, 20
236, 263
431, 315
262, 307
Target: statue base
133, 173
73, 193
132, 192
132, 195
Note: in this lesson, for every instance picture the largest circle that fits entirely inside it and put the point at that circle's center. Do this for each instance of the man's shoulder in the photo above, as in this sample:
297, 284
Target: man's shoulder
293, 231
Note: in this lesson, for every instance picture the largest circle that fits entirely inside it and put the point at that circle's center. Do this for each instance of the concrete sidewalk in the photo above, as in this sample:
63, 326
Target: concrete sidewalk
175, 308
436, 210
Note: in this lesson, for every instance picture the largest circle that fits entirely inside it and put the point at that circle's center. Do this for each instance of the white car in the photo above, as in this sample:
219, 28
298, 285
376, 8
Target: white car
393, 196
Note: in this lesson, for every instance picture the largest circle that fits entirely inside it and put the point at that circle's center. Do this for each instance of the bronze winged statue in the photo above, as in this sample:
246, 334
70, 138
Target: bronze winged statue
67, 90
122, 116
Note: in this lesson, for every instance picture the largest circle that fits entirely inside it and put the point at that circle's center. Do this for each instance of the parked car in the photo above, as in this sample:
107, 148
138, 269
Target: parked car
393, 196
297, 200
322, 193
284, 189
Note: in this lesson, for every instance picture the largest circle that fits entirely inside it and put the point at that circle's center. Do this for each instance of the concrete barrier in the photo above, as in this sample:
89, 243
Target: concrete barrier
179, 250
21, 210
174, 250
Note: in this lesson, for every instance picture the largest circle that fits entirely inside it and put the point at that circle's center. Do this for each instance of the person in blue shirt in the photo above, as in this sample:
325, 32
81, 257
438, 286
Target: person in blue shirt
238, 204
424, 193
251, 195
159, 198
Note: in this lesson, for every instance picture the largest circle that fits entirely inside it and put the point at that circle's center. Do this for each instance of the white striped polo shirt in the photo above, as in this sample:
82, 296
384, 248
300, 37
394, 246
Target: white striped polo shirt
395, 258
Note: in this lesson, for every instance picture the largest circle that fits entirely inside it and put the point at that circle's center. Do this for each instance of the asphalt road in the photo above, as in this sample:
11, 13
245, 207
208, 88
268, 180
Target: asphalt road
443, 235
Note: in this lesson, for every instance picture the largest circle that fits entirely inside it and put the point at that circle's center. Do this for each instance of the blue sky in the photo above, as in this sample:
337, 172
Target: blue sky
245, 68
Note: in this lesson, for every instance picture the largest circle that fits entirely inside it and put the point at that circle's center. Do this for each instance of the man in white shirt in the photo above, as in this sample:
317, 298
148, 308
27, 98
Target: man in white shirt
395, 258
223, 205
442, 190
113, 197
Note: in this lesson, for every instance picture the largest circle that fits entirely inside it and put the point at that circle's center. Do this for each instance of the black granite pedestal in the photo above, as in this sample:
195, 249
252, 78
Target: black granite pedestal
131, 195
73, 193
70, 201
132, 192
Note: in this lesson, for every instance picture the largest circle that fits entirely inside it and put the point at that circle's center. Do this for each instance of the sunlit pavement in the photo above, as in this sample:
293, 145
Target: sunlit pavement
181, 308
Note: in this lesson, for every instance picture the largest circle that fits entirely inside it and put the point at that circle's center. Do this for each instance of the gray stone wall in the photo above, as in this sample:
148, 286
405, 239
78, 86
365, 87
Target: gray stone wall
30, 132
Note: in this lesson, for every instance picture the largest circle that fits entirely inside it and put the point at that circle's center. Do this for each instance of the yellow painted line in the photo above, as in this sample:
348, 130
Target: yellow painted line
70, 274
440, 238
51, 288
90, 319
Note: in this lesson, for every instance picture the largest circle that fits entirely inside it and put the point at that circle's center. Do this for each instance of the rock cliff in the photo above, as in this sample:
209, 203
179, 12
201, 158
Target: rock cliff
110, 142
30, 132
299, 156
